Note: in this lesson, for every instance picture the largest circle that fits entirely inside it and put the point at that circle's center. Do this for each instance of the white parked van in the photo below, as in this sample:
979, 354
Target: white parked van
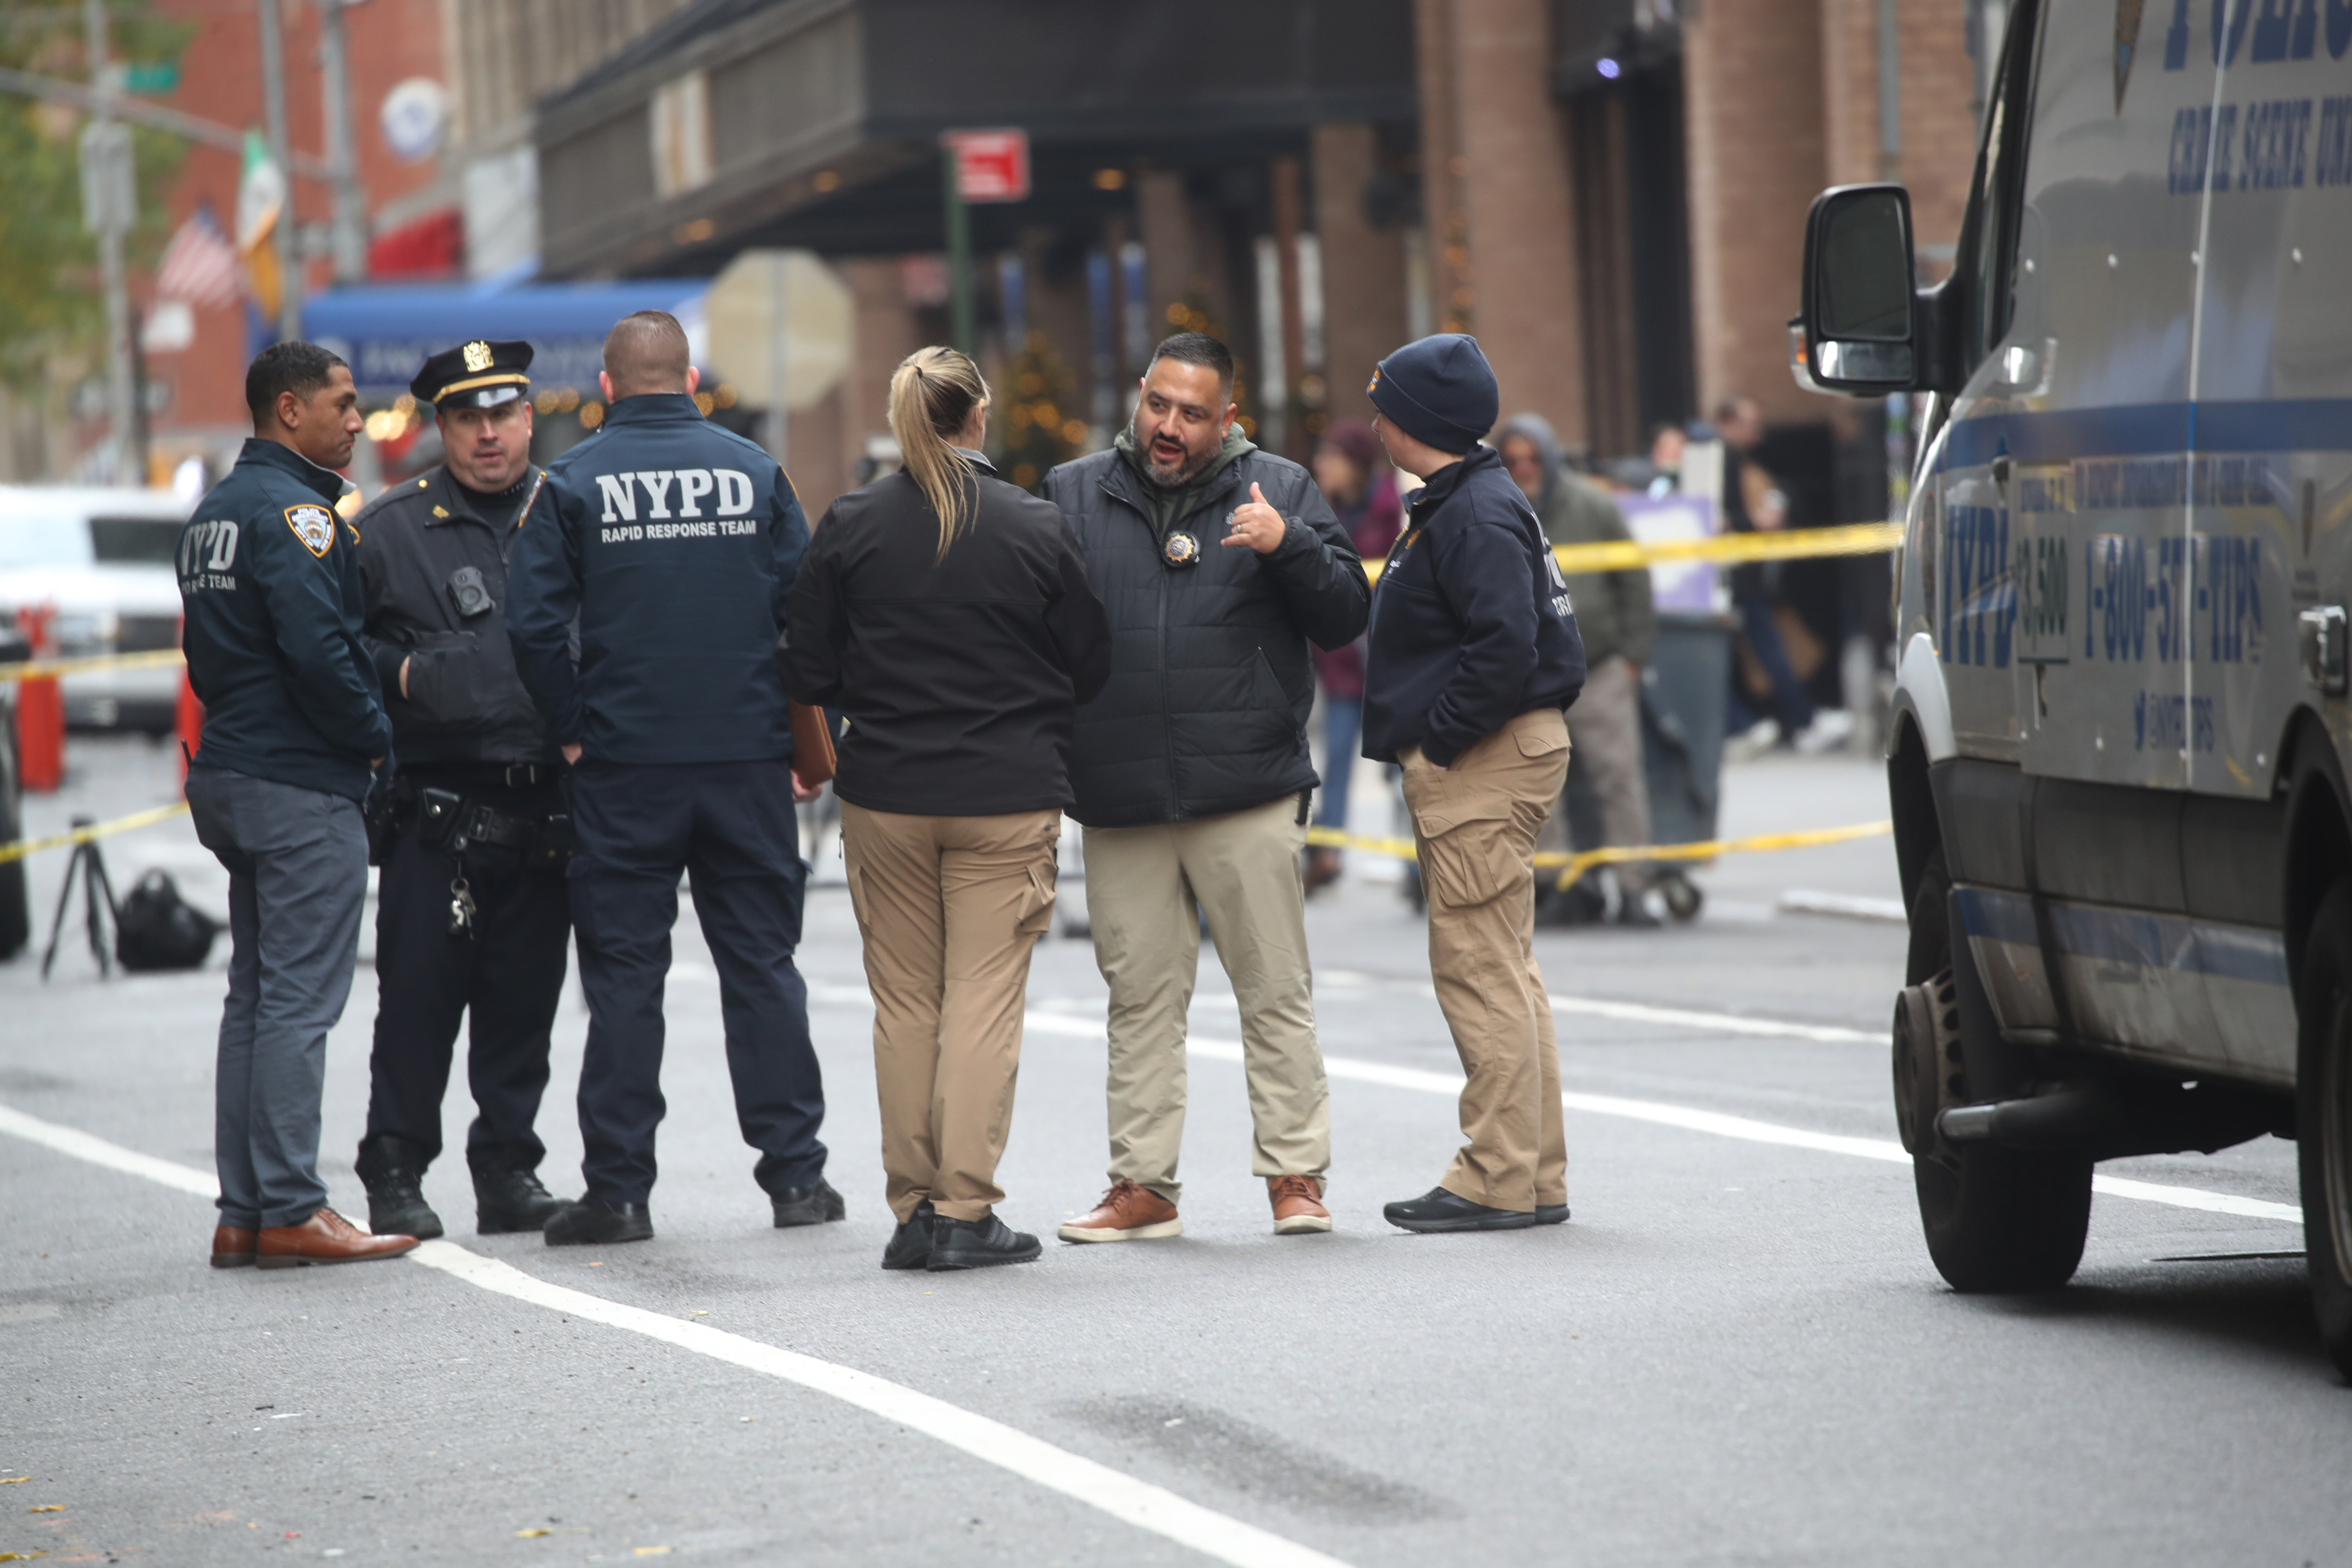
104, 559
2119, 758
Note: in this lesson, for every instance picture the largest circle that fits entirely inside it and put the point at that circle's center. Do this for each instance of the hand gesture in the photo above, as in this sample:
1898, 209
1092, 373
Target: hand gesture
1255, 524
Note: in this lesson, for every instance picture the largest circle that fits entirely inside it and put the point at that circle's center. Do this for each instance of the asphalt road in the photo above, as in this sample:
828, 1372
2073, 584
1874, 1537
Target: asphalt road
1736, 1353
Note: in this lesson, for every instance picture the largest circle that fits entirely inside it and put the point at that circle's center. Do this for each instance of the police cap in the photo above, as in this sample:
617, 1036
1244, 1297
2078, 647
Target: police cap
478, 374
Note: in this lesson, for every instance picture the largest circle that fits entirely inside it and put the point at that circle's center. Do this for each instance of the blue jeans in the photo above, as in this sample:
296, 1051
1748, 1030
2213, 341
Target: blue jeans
1794, 706
1343, 725
296, 863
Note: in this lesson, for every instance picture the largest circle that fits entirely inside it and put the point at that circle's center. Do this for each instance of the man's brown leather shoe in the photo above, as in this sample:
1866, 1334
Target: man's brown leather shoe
325, 1237
1297, 1205
1126, 1213
232, 1247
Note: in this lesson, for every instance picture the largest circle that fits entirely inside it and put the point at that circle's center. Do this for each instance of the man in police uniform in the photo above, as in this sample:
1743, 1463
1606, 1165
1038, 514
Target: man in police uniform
293, 731
671, 546
472, 918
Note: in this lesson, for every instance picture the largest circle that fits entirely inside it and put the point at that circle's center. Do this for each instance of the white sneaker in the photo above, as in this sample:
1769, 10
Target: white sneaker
1753, 741
1832, 728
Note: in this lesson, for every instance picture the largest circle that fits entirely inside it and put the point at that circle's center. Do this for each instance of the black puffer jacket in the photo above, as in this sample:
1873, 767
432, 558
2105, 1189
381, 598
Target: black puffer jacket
1209, 686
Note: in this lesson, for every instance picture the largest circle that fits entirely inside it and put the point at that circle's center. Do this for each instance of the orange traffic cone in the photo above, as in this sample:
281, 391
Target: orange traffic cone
40, 710
188, 720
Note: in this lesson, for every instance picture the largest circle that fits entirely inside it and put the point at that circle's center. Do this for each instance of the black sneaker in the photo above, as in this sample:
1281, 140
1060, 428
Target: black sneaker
591, 1222
1439, 1210
393, 1171
814, 1205
1551, 1214
507, 1201
910, 1244
978, 1244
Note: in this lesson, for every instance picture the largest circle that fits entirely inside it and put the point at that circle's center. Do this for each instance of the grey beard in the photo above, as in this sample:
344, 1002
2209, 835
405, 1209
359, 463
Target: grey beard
1168, 478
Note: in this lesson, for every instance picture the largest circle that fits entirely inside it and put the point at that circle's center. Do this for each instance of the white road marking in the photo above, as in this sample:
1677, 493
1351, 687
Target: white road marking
1137, 1503
1715, 1123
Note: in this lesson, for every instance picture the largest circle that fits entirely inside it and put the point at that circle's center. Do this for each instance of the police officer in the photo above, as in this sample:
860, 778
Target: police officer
293, 729
1471, 663
471, 918
672, 544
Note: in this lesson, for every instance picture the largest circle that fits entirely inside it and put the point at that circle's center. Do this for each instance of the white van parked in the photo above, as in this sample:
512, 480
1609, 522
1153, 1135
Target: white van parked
2119, 757
104, 559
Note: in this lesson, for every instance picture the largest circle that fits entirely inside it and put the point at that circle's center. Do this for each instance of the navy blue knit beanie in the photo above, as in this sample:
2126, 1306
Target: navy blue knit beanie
1440, 390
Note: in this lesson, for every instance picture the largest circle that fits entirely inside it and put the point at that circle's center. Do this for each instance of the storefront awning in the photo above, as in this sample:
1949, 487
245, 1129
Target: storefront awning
386, 330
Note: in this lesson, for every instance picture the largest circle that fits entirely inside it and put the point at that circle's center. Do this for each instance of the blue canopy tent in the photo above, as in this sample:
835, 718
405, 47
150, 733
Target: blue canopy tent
386, 331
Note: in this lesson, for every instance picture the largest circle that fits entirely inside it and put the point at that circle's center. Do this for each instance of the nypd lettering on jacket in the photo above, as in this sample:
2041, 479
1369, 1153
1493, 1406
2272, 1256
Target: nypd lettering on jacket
673, 543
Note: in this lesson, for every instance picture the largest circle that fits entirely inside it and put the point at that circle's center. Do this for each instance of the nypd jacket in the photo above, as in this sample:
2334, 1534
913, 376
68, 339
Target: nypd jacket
466, 703
1210, 687
271, 594
960, 677
1471, 624
674, 544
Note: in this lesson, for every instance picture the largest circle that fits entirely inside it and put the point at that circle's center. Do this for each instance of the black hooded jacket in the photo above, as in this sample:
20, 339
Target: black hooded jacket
1210, 685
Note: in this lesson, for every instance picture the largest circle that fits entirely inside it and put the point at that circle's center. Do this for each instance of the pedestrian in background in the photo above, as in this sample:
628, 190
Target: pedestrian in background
1354, 476
1217, 564
1617, 622
947, 612
472, 925
293, 729
1473, 657
1753, 503
670, 545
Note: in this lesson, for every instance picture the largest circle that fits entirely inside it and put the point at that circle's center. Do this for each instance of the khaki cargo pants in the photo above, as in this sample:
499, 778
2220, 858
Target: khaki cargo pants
1148, 891
1476, 824
950, 908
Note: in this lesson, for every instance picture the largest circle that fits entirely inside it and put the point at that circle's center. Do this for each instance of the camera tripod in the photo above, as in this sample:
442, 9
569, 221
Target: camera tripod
97, 898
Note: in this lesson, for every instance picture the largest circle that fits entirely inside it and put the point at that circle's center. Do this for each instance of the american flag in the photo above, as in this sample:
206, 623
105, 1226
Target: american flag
200, 265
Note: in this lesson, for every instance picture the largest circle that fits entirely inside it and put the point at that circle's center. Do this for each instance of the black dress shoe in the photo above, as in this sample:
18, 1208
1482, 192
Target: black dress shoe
1438, 1209
593, 1221
506, 1201
978, 1244
813, 1205
910, 1244
1551, 1214
393, 1171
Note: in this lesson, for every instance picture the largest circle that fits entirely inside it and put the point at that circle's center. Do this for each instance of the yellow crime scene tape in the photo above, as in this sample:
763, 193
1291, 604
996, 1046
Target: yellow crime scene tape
1572, 868
48, 668
1613, 555
24, 847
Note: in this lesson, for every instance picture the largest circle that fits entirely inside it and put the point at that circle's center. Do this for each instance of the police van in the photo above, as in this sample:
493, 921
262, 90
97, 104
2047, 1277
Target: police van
2119, 757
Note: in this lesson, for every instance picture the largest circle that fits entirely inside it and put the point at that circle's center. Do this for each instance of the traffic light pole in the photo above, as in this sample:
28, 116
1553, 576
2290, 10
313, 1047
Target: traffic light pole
335, 87
109, 214
273, 103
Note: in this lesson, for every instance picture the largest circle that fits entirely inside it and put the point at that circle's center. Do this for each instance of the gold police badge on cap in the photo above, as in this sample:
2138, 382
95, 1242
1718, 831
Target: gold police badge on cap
1181, 549
478, 356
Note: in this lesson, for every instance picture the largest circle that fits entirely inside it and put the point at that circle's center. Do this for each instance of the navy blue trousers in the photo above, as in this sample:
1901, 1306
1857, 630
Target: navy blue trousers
730, 825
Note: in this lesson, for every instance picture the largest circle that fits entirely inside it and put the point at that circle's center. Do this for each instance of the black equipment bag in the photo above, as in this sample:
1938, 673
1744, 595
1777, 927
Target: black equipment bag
155, 930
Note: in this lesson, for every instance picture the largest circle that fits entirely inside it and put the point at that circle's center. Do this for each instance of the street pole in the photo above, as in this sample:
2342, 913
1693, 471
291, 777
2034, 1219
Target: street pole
959, 249
110, 222
273, 96
779, 416
335, 88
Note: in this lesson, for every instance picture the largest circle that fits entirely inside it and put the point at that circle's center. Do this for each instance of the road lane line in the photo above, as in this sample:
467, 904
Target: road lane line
1715, 1123
113, 1156
1123, 1497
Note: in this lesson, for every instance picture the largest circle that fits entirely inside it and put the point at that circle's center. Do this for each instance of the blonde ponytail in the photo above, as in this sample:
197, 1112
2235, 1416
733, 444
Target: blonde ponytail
932, 395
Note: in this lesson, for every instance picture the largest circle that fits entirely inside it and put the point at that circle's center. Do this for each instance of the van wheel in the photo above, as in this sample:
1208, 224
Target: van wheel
1995, 1219
2323, 1120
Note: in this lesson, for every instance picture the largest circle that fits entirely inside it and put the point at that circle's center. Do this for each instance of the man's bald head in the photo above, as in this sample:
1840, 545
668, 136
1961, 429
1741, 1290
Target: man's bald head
646, 353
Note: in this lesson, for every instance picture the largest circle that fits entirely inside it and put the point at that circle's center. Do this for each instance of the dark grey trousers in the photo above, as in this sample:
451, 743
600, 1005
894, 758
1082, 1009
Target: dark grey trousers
297, 862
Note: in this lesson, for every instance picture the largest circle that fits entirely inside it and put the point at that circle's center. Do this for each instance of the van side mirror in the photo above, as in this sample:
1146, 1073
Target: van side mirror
1860, 328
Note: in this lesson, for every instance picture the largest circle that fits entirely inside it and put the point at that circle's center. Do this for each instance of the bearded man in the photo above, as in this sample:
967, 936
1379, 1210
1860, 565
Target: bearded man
1218, 563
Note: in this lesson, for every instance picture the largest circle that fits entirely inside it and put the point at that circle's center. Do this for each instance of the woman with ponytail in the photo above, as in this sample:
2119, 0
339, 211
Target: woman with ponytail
948, 614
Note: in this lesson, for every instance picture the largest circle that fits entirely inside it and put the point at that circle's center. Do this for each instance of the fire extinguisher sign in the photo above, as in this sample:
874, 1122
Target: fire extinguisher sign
991, 165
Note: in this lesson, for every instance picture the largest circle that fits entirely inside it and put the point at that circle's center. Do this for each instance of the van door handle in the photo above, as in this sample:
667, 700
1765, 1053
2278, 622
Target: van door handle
2000, 470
